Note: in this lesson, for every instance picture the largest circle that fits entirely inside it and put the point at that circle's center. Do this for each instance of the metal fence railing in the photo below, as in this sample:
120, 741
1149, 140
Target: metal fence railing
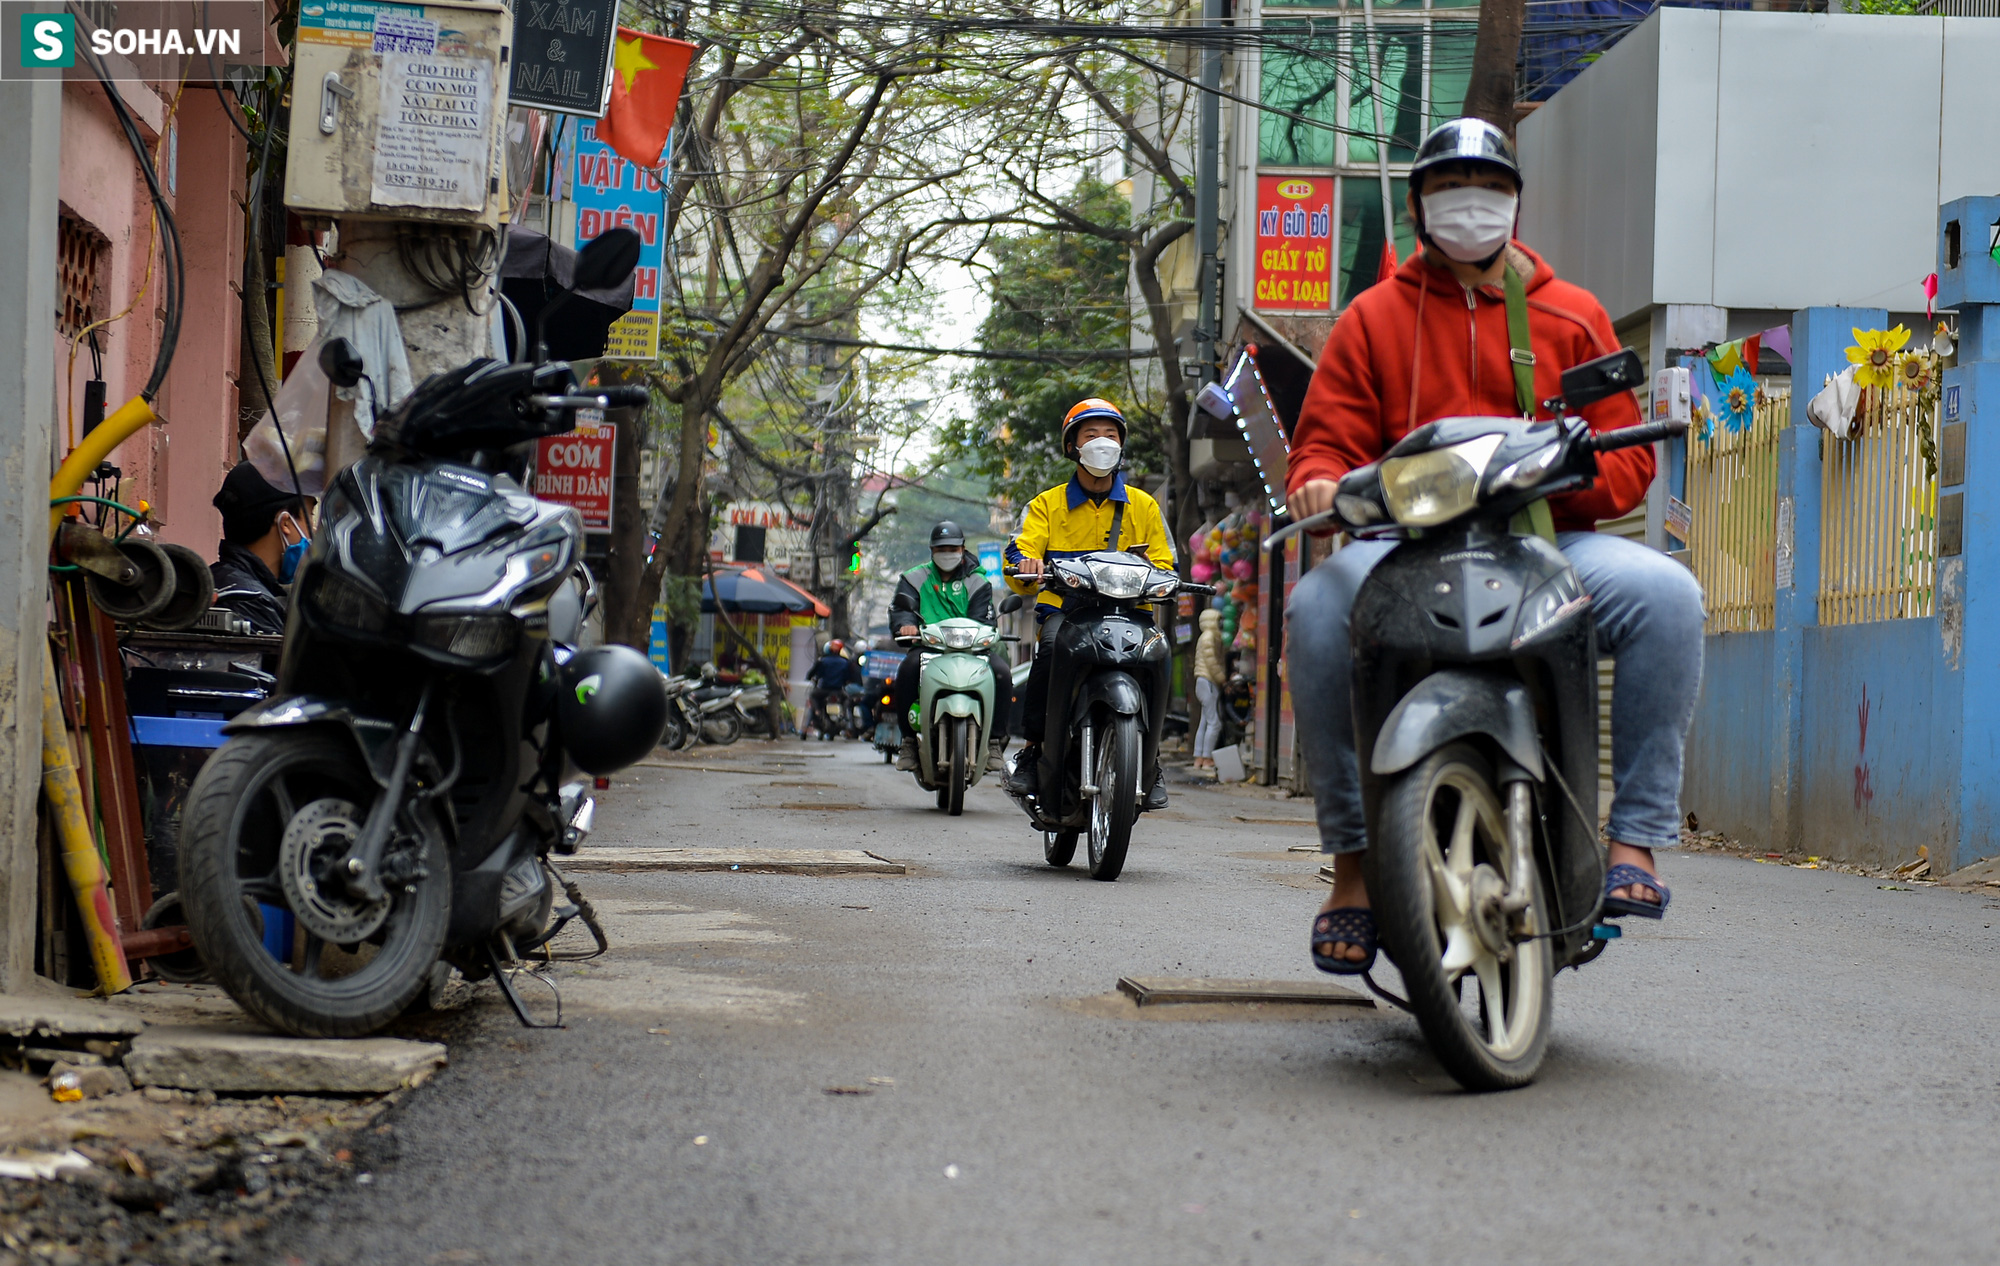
1878, 511
1732, 490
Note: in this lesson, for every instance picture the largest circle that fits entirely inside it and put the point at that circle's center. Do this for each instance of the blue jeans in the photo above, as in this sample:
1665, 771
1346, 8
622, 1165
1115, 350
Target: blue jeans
1649, 618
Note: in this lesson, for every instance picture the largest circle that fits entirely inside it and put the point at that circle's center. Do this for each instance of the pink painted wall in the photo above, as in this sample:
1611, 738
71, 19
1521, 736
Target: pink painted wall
178, 465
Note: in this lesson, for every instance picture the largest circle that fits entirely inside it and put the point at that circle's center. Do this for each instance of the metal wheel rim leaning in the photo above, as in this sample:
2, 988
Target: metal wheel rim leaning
1510, 993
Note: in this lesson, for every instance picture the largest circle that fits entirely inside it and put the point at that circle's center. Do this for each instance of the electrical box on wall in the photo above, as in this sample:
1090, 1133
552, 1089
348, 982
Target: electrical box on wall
1673, 395
398, 111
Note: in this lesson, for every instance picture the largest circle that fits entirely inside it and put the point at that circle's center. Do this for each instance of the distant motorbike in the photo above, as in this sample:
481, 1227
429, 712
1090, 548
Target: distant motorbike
703, 711
953, 714
1475, 702
753, 708
1107, 704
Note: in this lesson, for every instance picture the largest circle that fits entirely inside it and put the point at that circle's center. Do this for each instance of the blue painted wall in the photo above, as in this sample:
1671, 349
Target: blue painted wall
1731, 751
1881, 742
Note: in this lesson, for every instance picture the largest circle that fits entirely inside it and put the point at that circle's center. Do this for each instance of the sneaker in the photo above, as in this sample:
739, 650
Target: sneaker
1026, 763
1157, 797
996, 759
906, 756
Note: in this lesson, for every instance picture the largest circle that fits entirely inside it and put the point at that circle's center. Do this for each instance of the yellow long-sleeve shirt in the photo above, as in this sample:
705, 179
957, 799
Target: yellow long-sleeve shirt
1067, 521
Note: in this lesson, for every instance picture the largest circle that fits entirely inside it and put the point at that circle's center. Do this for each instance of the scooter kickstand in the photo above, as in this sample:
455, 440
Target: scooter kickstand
505, 980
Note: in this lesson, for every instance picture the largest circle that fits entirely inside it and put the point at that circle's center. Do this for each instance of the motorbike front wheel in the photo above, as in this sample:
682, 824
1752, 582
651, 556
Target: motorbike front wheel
721, 728
267, 827
957, 771
1435, 875
675, 735
1116, 805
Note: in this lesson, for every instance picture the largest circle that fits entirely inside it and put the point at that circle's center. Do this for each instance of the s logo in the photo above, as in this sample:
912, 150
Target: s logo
588, 687
48, 40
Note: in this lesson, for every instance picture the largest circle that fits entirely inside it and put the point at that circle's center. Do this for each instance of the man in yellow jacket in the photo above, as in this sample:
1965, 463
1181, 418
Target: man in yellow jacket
1095, 510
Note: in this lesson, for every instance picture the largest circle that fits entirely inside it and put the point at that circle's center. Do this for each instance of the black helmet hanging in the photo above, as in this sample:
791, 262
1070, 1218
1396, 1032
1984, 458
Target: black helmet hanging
946, 535
611, 708
1466, 140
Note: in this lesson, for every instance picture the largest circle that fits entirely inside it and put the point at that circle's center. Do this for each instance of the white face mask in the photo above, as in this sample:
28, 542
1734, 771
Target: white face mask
1100, 456
1470, 224
948, 560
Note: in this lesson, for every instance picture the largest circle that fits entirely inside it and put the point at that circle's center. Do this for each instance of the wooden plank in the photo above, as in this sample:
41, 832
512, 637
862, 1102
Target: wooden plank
114, 792
1150, 991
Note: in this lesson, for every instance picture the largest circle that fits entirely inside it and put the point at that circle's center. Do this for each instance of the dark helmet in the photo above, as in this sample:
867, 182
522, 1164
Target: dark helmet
1093, 409
947, 534
1466, 140
611, 709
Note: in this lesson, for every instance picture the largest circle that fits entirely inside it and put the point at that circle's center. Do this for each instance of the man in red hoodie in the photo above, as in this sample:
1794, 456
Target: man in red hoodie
1432, 342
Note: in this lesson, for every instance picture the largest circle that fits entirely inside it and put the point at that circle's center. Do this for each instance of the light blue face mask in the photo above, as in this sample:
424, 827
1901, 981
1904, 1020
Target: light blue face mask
288, 565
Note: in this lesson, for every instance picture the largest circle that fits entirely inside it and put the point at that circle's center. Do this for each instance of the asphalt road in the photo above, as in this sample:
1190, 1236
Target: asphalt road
1797, 1066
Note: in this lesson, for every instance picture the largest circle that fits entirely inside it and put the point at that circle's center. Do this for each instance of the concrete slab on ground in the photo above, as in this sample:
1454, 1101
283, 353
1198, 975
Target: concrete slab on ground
248, 1063
24, 1015
1158, 990
767, 861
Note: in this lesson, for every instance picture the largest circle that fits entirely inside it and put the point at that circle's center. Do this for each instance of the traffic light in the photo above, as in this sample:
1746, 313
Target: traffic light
853, 557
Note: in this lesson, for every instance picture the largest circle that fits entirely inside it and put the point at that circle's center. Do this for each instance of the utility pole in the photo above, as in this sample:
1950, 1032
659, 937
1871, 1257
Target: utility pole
1382, 125
1207, 196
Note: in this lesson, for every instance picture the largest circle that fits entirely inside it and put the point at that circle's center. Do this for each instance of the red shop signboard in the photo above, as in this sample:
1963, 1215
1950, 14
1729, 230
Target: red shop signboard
575, 470
1295, 243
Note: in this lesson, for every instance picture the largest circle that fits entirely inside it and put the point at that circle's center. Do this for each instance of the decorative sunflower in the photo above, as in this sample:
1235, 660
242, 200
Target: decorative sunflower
1739, 397
1914, 369
1874, 354
1704, 422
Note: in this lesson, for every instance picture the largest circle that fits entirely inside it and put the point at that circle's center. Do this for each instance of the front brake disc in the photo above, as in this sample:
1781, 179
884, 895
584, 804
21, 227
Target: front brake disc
315, 845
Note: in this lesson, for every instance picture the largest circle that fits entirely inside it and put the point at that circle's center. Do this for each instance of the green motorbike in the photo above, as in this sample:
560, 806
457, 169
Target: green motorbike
953, 713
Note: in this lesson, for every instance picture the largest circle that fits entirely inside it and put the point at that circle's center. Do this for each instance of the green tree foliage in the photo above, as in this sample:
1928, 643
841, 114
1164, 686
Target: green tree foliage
1052, 292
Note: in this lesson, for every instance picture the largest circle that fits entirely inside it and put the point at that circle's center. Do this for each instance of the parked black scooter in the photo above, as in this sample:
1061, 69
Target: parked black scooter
1475, 715
1107, 704
397, 799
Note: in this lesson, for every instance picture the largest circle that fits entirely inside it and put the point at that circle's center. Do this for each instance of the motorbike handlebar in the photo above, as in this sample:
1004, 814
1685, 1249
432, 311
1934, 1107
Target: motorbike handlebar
605, 398
1632, 436
1188, 586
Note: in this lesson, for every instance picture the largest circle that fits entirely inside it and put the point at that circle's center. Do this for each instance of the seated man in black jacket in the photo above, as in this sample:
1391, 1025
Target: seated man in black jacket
263, 538
950, 585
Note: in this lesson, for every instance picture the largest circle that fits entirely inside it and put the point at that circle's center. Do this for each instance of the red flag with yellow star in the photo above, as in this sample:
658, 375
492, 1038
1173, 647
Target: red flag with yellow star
646, 76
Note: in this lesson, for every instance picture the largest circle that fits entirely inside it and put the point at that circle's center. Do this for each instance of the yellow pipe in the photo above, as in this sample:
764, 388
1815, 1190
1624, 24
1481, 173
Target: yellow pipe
89, 455
79, 849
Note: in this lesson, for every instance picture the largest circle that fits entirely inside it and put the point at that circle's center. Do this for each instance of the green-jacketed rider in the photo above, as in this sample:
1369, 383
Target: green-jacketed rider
950, 585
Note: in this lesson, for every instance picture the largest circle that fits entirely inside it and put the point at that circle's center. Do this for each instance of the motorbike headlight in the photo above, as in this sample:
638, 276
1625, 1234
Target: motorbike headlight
1426, 489
1119, 580
469, 636
1549, 605
345, 605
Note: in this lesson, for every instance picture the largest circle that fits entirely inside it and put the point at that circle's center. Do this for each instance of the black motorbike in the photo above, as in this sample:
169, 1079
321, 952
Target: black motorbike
1107, 704
1475, 718
396, 802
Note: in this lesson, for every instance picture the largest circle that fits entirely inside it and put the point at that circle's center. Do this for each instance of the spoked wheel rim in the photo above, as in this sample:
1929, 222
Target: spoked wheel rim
1463, 856
292, 824
1103, 778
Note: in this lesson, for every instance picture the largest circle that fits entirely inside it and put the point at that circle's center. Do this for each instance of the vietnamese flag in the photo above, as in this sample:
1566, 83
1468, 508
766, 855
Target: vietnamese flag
646, 76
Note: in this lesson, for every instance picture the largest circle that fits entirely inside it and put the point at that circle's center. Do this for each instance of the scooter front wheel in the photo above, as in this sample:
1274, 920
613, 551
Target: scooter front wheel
1116, 805
267, 825
1436, 872
957, 770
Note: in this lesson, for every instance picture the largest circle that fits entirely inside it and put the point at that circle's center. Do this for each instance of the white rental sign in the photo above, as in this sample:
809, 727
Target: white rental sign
433, 146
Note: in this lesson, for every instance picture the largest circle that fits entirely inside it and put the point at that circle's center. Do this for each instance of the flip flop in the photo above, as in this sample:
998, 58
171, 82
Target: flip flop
1348, 925
1626, 875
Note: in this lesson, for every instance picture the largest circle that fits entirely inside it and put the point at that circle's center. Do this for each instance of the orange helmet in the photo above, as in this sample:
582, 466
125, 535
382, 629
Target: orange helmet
1091, 410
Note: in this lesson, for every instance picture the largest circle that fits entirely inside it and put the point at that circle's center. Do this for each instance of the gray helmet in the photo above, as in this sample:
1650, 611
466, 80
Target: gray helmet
1466, 140
947, 534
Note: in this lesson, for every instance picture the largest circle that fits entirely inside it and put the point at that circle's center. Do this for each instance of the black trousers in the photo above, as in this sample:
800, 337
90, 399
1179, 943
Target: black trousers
904, 693
1035, 699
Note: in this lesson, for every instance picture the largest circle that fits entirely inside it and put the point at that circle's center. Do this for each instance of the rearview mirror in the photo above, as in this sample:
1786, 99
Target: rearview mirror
1584, 385
340, 362
1011, 603
606, 260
